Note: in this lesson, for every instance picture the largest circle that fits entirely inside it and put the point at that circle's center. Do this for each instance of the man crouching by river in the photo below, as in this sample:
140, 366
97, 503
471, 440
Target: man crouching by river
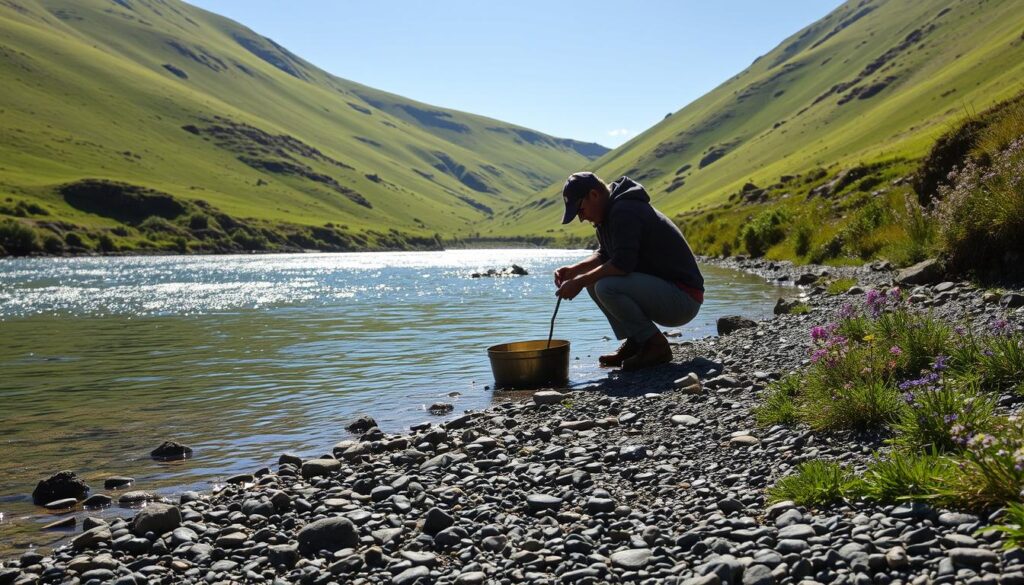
642, 273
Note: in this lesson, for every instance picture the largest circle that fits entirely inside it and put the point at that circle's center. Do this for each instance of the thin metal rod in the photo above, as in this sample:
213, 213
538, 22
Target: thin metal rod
552, 331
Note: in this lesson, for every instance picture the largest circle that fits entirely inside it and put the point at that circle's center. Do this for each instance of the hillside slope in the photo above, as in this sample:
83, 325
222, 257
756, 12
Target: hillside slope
874, 80
158, 98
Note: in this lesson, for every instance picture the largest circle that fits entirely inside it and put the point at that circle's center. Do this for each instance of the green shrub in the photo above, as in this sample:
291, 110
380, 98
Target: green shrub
828, 250
53, 244
764, 231
856, 405
158, 225
106, 244
936, 407
981, 217
17, 238
74, 240
858, 234
778, 407
815, 483
921, 339
803, 234
1012, 527
907, 476
199, 221
920, 231
994, 473
841, 285
997, 359
248, 241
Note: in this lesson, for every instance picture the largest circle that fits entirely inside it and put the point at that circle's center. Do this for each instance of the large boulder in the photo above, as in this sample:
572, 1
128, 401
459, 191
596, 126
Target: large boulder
59, 486
733, 323
331, 534
156, 518
925, 272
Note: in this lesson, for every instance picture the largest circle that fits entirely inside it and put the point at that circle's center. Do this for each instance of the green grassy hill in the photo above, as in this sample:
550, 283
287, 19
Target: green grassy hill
875, 81
154, 124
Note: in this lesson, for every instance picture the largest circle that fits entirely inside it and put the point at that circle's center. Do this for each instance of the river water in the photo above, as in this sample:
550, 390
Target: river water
246, 357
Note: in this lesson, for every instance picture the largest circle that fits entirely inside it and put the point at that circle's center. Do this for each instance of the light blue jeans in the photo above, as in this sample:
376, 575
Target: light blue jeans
634, 303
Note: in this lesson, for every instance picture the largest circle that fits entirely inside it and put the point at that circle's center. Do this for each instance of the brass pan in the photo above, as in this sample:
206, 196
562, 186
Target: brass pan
530, 364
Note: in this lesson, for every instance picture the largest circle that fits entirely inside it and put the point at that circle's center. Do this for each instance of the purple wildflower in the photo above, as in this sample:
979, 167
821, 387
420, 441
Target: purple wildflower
895, 350
819, 333
950, 418
847, 311
1000, 327
940, 363
818, 355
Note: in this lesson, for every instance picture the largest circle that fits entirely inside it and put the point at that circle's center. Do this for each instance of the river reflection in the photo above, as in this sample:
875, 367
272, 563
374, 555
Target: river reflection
245, 357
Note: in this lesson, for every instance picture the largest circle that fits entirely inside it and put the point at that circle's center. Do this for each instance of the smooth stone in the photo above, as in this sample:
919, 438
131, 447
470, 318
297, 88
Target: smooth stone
98, 501
117, 482
896, 558
788, 518
332, 534
730, 505
796, 531
135, 498
419, 558
91, 538
549, 397
757, 574
171, 450
543, 502
471, 578
62, 504
685, 420
686, 381
319, 467
156, 518
632, 559
411, 575
744, 441
63, 524
436, 520
971, 557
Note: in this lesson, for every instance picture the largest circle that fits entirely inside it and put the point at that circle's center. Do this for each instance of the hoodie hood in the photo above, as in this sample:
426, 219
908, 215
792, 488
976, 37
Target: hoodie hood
626, 189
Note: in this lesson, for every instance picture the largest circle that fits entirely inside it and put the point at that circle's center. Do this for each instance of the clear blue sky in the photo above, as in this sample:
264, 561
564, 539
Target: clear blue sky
597, 71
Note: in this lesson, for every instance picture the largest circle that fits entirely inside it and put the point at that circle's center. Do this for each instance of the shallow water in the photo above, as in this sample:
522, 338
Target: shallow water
245, 357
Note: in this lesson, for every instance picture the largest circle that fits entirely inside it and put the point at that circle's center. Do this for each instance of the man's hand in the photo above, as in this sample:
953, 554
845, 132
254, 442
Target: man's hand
569, 289
562, 274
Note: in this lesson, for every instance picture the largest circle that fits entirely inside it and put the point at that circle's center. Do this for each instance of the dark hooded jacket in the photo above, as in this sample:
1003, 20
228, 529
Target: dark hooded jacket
636, 237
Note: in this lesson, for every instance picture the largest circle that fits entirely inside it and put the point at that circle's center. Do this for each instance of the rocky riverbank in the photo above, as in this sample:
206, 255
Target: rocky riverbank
645, 478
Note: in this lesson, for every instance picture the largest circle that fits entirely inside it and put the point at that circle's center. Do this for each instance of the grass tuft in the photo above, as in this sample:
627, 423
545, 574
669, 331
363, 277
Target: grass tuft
815, 483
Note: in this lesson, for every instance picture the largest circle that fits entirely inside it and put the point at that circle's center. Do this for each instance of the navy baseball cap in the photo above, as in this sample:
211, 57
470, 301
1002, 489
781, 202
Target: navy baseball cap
576, 187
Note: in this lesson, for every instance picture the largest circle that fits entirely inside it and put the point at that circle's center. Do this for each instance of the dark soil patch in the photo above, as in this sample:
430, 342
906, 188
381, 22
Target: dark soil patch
121, 201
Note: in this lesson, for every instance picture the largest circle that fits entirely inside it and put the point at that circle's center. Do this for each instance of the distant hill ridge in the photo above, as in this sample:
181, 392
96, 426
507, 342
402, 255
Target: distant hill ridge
873, 80
169, 98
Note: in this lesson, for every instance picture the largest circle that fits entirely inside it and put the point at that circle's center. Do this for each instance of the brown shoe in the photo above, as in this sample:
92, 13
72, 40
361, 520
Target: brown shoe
614, 360
656, 351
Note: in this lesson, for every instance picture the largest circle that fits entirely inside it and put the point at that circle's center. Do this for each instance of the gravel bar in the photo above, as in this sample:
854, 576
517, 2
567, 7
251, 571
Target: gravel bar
653, 477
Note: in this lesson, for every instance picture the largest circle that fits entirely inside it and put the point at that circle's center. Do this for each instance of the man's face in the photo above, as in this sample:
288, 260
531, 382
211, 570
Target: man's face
591, 208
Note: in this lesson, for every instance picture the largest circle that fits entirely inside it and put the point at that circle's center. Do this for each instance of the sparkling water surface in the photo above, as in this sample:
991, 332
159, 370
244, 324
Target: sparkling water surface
245, 357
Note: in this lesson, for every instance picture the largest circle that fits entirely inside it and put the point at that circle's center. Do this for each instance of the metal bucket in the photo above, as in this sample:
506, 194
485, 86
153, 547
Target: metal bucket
530, 364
